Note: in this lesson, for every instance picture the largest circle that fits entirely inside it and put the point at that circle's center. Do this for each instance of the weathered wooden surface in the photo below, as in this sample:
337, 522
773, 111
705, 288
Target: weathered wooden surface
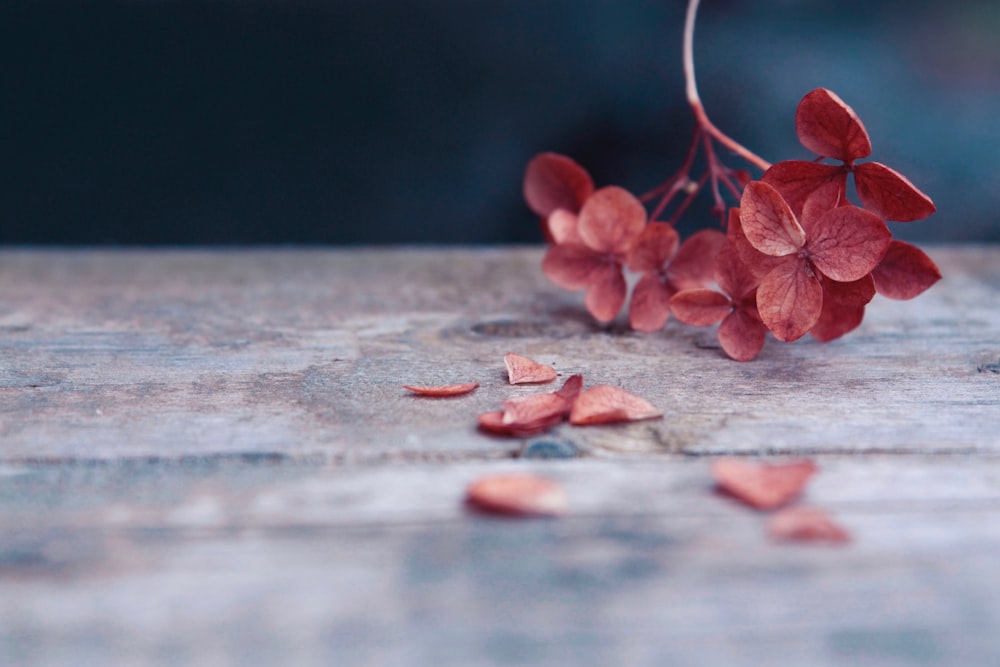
207, 458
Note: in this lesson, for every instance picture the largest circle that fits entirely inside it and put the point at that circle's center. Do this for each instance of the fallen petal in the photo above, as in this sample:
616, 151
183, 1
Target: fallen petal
518, 495
494, 423
527, 411
762, 485
442, 390
522, 370
806, 524
605, 404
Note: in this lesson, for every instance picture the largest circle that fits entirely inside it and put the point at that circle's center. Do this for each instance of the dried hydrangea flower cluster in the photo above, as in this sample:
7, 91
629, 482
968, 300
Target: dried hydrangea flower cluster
796, 257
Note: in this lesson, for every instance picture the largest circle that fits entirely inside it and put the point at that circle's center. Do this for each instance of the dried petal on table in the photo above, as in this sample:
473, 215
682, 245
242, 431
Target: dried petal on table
762, 485
522, 370
607, 404
806, 524
528, 415
443, 390
518, 494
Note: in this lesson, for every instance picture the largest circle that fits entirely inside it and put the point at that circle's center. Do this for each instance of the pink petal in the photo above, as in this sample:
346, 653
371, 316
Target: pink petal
830, 128
790, 299
562, 227
843, 307
493, 422
756, 262
653, 249
442, 390
553, 181
768, 222
700, 307
732, 274
889, 194
522, 370
571, 389
905, 272
611, 220
806, 524
572, 266
797, 179
694, 264
742, 334
762, 485
518, 495
847, 243
606, 294
821, 200
524, 411
649, 308
605, 404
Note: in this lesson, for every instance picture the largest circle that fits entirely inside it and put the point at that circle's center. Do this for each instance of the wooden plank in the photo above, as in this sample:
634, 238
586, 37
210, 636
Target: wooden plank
206, 458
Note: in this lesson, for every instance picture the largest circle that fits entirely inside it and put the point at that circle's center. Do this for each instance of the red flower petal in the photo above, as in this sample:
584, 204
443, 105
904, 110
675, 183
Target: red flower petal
611, 220
767, 221
493, 422
536, 409
806, 524
797, 179
443, 390
553, 181
889, 194
572, 266
606, 294
756, 262
518, 495
830, 128
605, 404
762, 485
847, 243
742, 335
649, 308
571, 389
653, 248
700, 307
694, 264
843, 307
522, 370
562, 227
790, 300
905, 272
732, 274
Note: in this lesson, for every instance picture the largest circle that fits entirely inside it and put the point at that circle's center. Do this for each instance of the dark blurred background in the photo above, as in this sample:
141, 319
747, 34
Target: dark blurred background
388, 121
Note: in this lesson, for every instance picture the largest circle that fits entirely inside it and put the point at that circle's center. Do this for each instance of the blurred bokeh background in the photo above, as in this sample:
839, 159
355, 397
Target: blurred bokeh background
410, 121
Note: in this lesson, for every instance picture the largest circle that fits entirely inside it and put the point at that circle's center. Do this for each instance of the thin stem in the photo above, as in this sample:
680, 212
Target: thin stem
695, 101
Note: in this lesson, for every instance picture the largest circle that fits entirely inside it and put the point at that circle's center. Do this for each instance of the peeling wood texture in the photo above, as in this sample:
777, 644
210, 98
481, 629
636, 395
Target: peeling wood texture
207, 457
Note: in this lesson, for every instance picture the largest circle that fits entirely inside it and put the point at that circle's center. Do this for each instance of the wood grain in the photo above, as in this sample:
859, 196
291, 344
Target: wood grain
206, 457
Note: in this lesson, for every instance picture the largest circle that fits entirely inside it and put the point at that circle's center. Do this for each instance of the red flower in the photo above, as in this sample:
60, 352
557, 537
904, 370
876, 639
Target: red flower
839, 243
609, 222
667, 269
830, 128
555, 188
742, 332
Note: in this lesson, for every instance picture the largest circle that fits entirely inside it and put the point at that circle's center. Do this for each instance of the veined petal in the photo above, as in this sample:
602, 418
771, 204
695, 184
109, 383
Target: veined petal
700, 307
732, 274
694, 264
790, 299
847, 243
753, 260
553, 181
830, 128
797, 179
905, 272
653, 248
843, 307
572, 266
889, 194
611, 220
649, 308
742, 334
606, 404
606, 294
767, 221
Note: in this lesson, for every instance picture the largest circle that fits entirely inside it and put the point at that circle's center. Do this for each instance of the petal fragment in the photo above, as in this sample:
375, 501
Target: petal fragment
606, 404
522, 370
762, 485
518, 495
806, 524
442, 390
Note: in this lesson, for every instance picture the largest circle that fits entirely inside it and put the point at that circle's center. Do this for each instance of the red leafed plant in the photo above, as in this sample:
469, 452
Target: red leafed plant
797, 257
